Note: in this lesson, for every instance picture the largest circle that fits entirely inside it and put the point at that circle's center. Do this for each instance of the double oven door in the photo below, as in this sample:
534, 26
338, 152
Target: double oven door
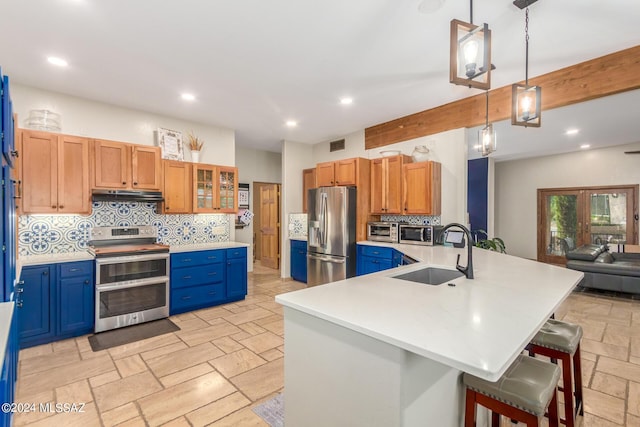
131, 289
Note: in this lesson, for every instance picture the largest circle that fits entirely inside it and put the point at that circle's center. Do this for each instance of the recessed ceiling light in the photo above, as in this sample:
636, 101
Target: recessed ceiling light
188, 97
346, 100
57, 61
585, 146
291, 123
572, 131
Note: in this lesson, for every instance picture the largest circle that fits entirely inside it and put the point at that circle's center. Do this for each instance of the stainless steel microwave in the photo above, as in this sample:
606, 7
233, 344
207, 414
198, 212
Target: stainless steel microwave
382, 232
420, 234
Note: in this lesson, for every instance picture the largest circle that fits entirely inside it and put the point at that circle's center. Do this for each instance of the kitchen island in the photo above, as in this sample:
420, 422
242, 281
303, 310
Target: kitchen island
374, 350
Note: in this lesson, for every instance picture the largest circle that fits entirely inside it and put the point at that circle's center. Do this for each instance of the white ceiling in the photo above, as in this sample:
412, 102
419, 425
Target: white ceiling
254, 64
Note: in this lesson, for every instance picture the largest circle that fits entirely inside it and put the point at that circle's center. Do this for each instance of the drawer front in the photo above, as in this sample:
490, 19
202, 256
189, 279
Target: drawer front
74, 269
188, 259
298, 244
237, 253
376, 251
204, 274
197, 296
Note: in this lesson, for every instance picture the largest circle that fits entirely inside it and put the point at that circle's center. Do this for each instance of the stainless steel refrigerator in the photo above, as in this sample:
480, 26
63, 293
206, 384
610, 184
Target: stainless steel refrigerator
331, 251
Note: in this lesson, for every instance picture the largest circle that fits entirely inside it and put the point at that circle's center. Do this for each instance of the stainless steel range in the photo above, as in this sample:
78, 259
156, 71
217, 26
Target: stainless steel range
132, 276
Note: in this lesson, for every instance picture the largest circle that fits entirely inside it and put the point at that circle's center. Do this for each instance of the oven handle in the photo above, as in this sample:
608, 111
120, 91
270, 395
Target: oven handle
132, 284
131, 258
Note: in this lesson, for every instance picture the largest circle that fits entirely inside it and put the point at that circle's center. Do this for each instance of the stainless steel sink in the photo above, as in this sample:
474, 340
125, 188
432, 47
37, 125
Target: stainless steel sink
430, 276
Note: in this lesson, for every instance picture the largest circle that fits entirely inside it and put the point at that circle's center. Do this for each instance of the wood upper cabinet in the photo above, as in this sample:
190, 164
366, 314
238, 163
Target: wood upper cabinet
54, 173
340, 172
215, 189
325, 175
422, 182
118, 165
308, 182
387, 185
178, 187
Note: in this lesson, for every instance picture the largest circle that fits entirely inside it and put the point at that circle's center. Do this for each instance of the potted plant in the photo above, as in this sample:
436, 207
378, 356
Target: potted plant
195, 145
496, 244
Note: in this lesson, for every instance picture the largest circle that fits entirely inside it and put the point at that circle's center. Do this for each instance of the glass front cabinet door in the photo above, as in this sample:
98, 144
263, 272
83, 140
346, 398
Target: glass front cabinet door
215, 189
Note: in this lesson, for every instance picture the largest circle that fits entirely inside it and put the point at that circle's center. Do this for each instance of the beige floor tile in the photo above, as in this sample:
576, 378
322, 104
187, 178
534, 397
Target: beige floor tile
178, 422
635, 360
66, 374
39, 350
47, 362
142, 346
65, 345
78, 392
604, 406
44, 398
191, 324
634, 398
120, 414
183, 316
240, 336
603, 349
134, 422
272, 354
183, 398
593, 421
105, 378
632, 421
262, 380
186, 374
83, 343
163, 350
93, 354
117, 393
130, 365
619, 368
608, 384
245, 418
89, 417
211, 332
262, 342
616, 339
227, 344
248, 316
217, 410
270, 319
251, 328
213, 313
276, 327
588, 356
236, 363
635, 346
182, 359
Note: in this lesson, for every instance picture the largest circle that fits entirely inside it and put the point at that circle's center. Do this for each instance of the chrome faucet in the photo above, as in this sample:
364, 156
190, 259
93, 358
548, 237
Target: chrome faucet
468, 270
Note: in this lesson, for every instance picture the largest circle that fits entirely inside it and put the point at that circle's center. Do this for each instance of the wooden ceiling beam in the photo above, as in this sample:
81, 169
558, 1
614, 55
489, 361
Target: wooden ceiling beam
603, 76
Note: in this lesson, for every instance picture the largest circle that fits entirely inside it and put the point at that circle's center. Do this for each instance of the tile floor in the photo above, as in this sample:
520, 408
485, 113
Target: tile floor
228, 359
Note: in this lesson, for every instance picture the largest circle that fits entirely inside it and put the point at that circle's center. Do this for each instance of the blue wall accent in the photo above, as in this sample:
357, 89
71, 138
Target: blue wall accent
478, 193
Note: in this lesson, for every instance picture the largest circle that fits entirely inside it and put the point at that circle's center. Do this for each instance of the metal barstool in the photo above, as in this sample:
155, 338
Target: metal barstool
523, 393
561, 340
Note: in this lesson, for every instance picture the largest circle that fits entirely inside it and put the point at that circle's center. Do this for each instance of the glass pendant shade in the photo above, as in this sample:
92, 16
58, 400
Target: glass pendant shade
487, 140
470, 56
525, 110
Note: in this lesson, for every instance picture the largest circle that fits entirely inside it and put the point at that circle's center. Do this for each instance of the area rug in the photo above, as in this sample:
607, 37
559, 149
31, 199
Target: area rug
129, 334
272, 411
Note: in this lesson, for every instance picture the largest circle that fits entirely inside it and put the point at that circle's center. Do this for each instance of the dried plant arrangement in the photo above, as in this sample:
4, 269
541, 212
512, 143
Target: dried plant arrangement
195, 143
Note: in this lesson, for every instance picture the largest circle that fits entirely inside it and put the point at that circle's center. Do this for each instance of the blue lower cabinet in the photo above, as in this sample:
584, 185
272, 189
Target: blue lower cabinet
299, 260
206, 278
55, 302
9, 367
371, 259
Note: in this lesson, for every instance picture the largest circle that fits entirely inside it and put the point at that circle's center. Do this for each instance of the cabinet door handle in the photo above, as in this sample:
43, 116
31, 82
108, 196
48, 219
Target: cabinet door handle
135, 183
19, 290
167, 208
186, 277
21, 282
213, 274
19, 304
124, 182
212, 257
15, 153
185, 298
212, 293
18, 183
86, 282
186, 260
45, 273
61, 206
53, 206
74, 269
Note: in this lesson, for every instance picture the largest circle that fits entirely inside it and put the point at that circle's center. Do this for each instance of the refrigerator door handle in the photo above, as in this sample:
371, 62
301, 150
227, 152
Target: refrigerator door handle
327, 258
323, 220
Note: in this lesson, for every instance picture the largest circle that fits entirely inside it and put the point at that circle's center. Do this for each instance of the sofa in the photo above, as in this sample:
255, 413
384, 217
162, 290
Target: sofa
606, 270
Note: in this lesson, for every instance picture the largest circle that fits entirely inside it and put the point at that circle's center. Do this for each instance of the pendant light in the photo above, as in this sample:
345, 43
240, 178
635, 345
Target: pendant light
470, 53
525, 109
486, 136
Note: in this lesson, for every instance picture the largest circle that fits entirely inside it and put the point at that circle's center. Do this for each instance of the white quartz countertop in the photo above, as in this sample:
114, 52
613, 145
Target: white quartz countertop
6, 308
478, 326
301, 238
207, 246
55, 258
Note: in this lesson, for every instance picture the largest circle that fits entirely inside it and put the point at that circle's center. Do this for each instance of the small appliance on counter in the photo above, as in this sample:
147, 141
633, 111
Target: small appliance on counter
382, 232
428, 235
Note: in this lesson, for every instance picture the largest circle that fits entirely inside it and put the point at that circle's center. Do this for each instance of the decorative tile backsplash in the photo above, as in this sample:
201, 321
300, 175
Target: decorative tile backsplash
412, 219
298, 225
50, 234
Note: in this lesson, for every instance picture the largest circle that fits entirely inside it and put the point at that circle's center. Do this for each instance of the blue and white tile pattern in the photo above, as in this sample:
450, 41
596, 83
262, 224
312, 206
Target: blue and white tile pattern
298, 225
412, 219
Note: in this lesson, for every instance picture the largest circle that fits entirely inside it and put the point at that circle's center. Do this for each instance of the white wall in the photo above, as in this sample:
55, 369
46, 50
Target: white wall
84, 117
517, 182
295, 158
255, 165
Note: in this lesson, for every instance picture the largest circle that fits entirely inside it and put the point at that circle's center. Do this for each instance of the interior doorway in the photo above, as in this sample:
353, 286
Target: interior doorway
266, 226
571, 217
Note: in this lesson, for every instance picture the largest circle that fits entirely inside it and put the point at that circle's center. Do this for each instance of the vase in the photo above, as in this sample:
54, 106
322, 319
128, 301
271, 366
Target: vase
195, 156
420, 153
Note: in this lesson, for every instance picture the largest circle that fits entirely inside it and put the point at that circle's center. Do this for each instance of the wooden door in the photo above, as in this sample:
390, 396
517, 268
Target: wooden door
204, 200
308, 182
39, 158
560, 222
177, 187
227, 189
346, 172
74, 193
378, 190
111, 164
145, 167
422, 188
270, 225
325, 176
393, 184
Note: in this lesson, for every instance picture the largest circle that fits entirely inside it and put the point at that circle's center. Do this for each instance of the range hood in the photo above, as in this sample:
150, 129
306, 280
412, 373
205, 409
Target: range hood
126, 196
